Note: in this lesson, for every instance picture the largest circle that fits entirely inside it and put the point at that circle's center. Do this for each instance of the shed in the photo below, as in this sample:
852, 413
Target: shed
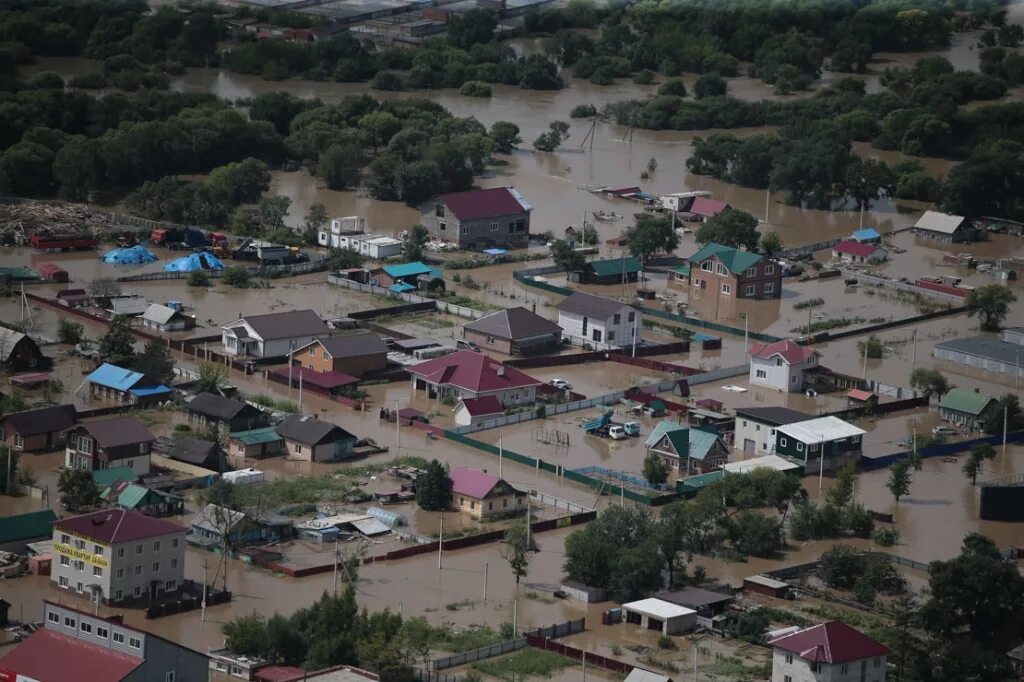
657, 614
53, 272
641, 675
19, 530
762, 584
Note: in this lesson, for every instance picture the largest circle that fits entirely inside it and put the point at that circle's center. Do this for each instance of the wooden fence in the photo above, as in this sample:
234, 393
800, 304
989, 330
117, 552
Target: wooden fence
584, 657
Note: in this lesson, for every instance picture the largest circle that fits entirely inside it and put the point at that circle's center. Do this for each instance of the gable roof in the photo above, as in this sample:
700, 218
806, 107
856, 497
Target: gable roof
866, 233
589, 305
308, 430
118, 431
610, 267
127, 494
192, 450
707, 207
350, 345
935, 221
641, 675
286, 325
43, 420
35, 524
472, 482
117, 378
484, 203
407, 269
734, 260
833, 642
216, 518
49, 655
217, 406
702, 443
267, 434
129, 305
108, 477
821, 429
966, 400
695, 597
773, 415
854, 248
111, 526
659, 430
472, 371
8, 340
482, 406
159, 314
788, 349
514, 323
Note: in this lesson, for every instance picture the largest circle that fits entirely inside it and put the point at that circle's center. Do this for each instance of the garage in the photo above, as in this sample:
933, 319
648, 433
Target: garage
660, 616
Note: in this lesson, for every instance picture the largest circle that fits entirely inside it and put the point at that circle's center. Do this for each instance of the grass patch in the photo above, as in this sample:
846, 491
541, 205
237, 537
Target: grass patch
526, 663
456, 605
537, 596
811, 302
733, 668
826, 325
785, 617
446, 638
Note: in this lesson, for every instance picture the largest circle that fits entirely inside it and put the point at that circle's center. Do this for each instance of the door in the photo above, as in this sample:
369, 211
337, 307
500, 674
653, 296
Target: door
749, 446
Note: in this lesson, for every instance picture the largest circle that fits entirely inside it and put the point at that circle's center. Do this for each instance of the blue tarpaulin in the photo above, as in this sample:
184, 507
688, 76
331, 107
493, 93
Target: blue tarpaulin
135, 255
495, 252
195, 261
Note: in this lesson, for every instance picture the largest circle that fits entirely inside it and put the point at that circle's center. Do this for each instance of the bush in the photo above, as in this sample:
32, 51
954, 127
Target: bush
583, 111
88, 81
198, 278
645, 77
387, 80
674, 88
69, 332
236, 276
886, 537
667, 643
475, 89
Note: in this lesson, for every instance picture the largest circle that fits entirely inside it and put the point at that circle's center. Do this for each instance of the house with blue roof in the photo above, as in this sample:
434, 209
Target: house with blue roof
687, 451
867, 235
404, 277
117, 384
719, 270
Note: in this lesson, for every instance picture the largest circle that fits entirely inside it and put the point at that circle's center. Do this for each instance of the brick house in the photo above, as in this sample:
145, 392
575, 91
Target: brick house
781, 364
515, 331
115, 442
468, 374
352, 354
732, 272
480, 218
37, 430
687, 450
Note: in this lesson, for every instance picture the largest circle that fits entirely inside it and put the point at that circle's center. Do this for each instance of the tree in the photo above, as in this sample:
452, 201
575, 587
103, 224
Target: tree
103, 289
117, 346
566, 257
710, 85
636, 572
652, 234
236, 276
415, 241
212, 378
247, 635
931, 382
750, 626
1006, 412
271, 212
899, 480
78, 490
655, 470
505, 136
433, 487
8, 465
155, 361
69, 332
617, 551
518, 542
198, 278
873, 347
991, 303
339, 166
316, 218
732, 227
471, 28
755, 534
558, 132
770, 245
976, 461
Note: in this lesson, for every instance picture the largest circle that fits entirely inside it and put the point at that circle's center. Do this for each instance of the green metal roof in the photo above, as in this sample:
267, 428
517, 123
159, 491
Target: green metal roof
701, 443
680, 442
107, 477
683, 269
267, 434
35, 524
693, 484
659, 430
735, 260
132, 496
967, 401
615, 266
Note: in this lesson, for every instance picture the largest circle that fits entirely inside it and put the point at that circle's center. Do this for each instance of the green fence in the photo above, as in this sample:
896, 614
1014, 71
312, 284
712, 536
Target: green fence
559, 470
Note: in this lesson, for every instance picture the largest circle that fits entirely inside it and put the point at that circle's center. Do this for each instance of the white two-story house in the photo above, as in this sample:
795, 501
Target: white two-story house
598, 321
830, 652
781, 365
272, 335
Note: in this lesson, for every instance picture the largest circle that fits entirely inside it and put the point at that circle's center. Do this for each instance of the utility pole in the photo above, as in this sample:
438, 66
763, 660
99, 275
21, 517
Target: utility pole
398, 436
300, 389
486, 566
204, 590
527, 521
515, 617
821, 466
499, 455
440, 543
767, 203
865, 373
337, 556
291, 360
1006, 415
913, 350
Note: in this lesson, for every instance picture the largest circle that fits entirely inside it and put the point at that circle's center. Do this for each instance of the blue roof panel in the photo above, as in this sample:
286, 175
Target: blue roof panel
150, 390
401, 287
866, 233
112, 376
407, 269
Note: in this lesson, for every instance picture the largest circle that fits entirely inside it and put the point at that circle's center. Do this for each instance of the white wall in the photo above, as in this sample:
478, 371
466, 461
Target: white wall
763, 435
800, 670
779, 374
572, 325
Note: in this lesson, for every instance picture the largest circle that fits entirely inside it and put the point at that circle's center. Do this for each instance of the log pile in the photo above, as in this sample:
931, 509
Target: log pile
20, 221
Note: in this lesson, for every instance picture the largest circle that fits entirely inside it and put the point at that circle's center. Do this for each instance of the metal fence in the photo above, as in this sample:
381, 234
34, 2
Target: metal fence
810, 248
491, 651
441, 306
558, 502
909, 287
717, 374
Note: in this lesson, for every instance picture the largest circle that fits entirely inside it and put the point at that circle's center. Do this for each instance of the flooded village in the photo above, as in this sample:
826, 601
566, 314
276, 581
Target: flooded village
317, 366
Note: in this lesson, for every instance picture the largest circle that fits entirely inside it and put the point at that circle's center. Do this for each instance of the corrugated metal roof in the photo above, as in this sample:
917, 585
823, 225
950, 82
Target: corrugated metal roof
823, 428
610, 267
734, 260
268, 434
112, 376
658, 608
107, 477
407, 269
965, 400
767, 462
35, 524
934, 221
659, 430
701, 443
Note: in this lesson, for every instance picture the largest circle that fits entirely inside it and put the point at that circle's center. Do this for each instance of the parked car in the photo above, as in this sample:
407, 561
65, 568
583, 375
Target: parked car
943, 431
561, 384
463, 344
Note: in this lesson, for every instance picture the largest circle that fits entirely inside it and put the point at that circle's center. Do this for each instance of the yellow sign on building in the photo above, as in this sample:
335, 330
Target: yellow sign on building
81, 555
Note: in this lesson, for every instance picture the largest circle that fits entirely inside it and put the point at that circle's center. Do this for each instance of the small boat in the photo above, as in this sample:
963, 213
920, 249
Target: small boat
606, 216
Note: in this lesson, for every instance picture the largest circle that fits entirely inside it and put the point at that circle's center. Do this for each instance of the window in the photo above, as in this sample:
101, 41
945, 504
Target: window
761, 374
855, 439
86, 627
174, 563
769, 287
119, 637
62, 581
494, 227
327, 355
632, 316
120, 552
813, 447
472, 504
97, 549
720, 269
118, 595
79, 565
505, 502
617, 319
120, 573
611, 336
17, 440
143, 448
706, 266
138, 590
597, 335
174, 543
65, 561
169, 677
156, 566
97, 571
439, 210
80, 544
490, 506
69, 622
312, 351
65, 539
769, 269
815, 667
782, 442
138, 549
789, 657
844, 668
170, 585
156, 546
85, 444
441, 225
102, 632
877, 662
787, 678
138, 570
726, 289
298, 449
749, 291
751, 272
799, 446
465, 229
80, 588
462, 501
53, 617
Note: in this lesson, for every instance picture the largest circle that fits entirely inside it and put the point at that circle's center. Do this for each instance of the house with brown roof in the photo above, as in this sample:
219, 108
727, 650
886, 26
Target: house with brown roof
829, 651
514, 331
480, 494
223, 413
469, 374
781, 364
39, 430
315, 440
479, 218
119, 554
107, 443
272, 335
19, 352
353, 354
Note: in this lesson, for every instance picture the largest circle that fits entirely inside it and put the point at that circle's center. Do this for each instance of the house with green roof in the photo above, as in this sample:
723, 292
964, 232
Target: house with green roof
255, 443
687, 451
724, 271
107, 477
608, 271
139, 498
19, 530
966, 407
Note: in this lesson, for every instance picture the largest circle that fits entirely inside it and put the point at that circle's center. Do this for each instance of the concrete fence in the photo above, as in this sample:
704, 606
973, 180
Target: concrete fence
909, 287
508, 646
439, 305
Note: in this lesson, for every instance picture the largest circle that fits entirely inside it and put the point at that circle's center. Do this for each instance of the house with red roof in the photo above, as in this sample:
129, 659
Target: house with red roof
781, 364
830, 651
469, 374
77, 645
851, 251
471, 411
479, 218
705, 208
117, 556
481, 494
